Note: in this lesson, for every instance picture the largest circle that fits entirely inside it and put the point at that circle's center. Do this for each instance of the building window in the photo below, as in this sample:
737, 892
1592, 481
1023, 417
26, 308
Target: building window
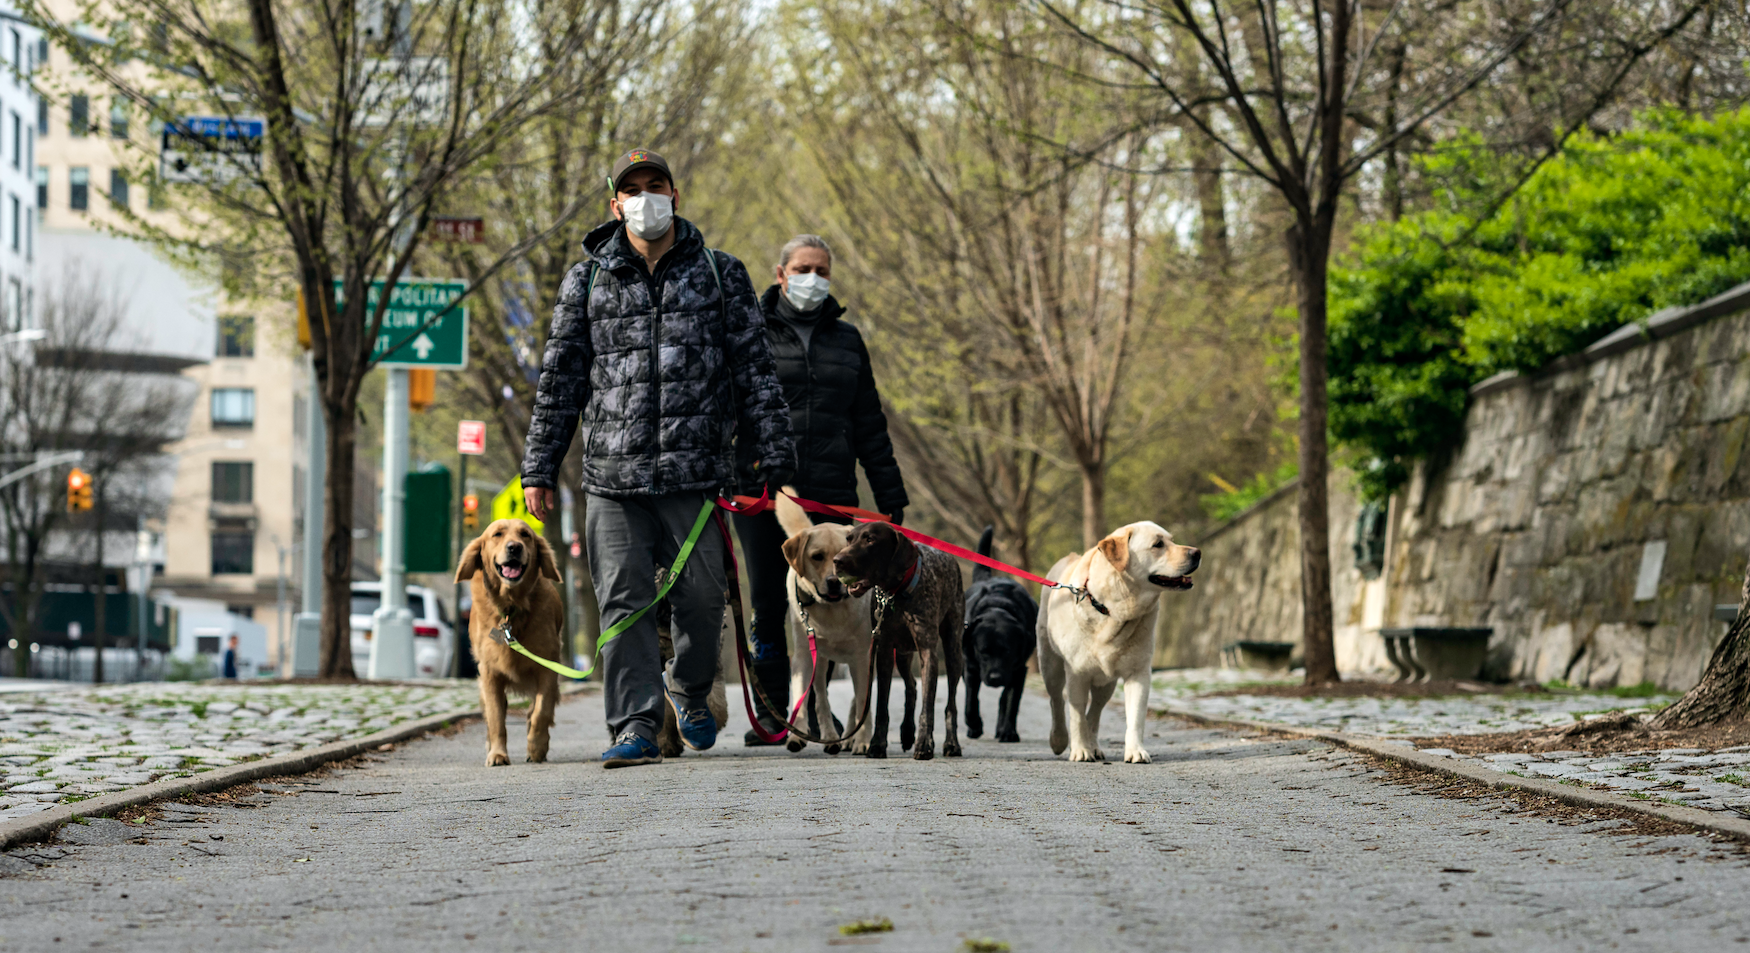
42, 186
17, 141
118, 118
233, 407
236, 336
30, 238
233, 482
42, 116
17, 209
78, 115
17, 56
118, 188
79, 184
15, 316
233, 548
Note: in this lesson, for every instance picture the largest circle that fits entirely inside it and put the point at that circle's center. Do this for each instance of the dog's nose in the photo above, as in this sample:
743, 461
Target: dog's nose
1194, 556
834, 587
513, 548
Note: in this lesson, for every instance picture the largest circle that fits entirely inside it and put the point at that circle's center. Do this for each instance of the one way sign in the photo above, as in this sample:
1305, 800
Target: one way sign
409, 336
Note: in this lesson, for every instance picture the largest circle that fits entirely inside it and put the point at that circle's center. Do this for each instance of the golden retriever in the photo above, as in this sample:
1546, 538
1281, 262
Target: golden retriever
1087, 646
512, 571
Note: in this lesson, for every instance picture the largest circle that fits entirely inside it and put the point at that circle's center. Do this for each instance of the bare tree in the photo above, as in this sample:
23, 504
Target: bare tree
1310, 94
81, 388
374, 114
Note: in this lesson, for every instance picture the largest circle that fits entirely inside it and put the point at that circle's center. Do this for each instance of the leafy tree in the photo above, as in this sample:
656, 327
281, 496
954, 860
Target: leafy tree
1611, 231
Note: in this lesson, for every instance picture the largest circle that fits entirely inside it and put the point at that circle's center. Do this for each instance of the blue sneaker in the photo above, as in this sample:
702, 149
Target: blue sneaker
698, 729
630, 749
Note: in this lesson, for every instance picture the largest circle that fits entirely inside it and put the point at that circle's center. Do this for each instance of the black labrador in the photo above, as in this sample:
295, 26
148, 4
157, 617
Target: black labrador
1000, 621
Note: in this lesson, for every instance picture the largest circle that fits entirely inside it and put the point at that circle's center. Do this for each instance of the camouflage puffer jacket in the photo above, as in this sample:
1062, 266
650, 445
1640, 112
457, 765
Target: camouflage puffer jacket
664, 375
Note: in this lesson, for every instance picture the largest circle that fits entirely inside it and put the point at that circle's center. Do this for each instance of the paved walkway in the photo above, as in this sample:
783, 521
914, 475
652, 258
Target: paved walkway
1226, 842
70, 744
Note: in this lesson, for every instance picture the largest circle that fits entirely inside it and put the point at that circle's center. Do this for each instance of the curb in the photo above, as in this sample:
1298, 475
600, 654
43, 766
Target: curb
1736, 828
41, 825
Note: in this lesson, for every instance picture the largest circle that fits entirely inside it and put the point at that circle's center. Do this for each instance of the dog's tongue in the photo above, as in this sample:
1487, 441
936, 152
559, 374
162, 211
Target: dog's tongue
510, 572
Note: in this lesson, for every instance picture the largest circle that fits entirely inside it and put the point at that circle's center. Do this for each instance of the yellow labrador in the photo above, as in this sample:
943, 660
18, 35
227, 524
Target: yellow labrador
841, 622
512, 571
1086, 647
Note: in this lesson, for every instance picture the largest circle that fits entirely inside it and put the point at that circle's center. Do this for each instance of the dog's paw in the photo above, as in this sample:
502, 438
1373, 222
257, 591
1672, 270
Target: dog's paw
1008, 737
924, 752
876, 751
950, 749
795, 744
974, 728
833, 748
1136, 756
535, 758
497, 759
860, 749
1086, 754
907, 737
1059, 740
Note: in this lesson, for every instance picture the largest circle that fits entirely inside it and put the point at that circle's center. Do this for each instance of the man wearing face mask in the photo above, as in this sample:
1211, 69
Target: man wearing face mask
836, 417
659, 344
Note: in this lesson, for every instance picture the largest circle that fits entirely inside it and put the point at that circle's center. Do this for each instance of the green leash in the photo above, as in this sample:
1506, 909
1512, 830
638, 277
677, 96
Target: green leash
501, 632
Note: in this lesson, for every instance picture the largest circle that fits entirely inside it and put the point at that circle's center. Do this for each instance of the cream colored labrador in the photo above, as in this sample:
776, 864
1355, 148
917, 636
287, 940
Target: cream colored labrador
1087, 647
841, 623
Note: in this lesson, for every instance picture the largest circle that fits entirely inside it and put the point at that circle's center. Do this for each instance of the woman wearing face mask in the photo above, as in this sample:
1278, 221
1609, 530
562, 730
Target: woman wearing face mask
837, 423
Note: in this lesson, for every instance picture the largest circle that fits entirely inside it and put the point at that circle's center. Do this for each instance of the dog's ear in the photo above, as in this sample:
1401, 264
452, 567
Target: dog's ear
470, 563
1116, 549
544, 559
793, 550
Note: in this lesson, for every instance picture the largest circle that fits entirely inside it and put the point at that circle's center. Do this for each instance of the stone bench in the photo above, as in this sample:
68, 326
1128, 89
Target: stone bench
1267, 656
1437, 653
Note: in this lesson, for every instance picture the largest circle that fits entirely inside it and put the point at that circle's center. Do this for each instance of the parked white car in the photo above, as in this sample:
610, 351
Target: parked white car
434, 638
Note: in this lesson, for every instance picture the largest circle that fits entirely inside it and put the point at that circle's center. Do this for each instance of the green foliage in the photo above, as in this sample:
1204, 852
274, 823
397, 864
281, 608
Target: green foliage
1231, 503
188, 670
1609, 232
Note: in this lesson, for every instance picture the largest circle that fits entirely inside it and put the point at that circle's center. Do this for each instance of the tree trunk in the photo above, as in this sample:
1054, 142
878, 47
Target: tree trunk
1308, 254
1723, 694
1093, 504
336, 657
99, 615
1212, 246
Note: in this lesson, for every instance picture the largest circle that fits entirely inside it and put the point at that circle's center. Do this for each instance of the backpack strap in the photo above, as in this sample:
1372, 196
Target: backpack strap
722, 302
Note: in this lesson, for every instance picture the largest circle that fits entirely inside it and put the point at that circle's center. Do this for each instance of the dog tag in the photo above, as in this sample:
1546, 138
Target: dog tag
501, 635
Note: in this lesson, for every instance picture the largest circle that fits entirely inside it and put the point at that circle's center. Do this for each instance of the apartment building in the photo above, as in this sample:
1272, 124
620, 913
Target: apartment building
18, 106
229, 535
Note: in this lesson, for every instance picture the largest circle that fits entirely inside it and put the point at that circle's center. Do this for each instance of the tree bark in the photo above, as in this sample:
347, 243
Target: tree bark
1093, 504
336, 656
1723, 694
1308, 253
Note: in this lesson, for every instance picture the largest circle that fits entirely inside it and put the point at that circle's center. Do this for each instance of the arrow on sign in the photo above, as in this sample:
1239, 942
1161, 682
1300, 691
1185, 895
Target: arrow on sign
422, 346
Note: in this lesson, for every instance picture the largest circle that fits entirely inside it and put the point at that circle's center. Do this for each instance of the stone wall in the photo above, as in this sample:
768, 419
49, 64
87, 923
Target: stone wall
1593, 515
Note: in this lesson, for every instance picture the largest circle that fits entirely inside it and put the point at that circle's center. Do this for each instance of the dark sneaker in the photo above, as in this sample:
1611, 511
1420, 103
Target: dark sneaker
630, 749
752, 739
698, 729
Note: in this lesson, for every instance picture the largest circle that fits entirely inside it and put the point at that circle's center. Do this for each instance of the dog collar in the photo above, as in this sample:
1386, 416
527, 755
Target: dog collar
907, 582
804, 598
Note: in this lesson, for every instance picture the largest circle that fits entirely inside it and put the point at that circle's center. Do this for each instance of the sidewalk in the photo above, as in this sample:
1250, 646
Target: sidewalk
69, 744
1713, 780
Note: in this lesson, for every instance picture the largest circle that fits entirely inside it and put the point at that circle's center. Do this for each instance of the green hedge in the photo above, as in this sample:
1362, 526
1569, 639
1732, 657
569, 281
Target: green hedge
1607, 233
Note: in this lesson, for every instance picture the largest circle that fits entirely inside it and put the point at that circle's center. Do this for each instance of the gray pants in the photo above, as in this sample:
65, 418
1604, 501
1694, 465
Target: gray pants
628, 539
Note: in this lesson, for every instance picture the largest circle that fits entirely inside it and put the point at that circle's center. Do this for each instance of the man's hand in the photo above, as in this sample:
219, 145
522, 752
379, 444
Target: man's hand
776, 479
897, 517
539, 500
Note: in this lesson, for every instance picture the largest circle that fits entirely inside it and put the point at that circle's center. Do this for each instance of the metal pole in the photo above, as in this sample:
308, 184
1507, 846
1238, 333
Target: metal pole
307, 625
392, 629
143, 563
460, 634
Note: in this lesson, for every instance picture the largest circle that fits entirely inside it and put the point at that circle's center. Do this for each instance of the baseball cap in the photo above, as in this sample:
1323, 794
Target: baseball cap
635, 160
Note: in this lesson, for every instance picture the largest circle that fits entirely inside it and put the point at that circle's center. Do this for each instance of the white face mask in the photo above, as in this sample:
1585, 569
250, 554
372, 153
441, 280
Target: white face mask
806, 292
648, 214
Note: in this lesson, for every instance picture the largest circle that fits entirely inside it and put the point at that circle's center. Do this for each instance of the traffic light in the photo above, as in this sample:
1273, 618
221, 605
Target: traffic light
471, 513
78, 490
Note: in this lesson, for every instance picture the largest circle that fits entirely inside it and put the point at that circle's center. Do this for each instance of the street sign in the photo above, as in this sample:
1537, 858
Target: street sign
210, 149
509, 505
409, 337
470, 231
471, 437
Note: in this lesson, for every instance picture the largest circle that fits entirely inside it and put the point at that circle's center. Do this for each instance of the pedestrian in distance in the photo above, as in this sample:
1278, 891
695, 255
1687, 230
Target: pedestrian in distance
836, 416
659, 344
228, 661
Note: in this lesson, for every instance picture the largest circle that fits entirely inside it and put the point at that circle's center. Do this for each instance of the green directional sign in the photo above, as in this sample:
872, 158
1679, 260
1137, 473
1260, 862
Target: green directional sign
410, 337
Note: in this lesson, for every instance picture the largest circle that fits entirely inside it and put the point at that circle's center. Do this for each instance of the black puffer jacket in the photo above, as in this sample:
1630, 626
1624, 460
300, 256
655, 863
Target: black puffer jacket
661, 371
835, 411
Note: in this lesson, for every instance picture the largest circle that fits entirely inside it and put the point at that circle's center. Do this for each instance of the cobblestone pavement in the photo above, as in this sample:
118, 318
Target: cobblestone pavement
1227, 842
68, 745
1712, 780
